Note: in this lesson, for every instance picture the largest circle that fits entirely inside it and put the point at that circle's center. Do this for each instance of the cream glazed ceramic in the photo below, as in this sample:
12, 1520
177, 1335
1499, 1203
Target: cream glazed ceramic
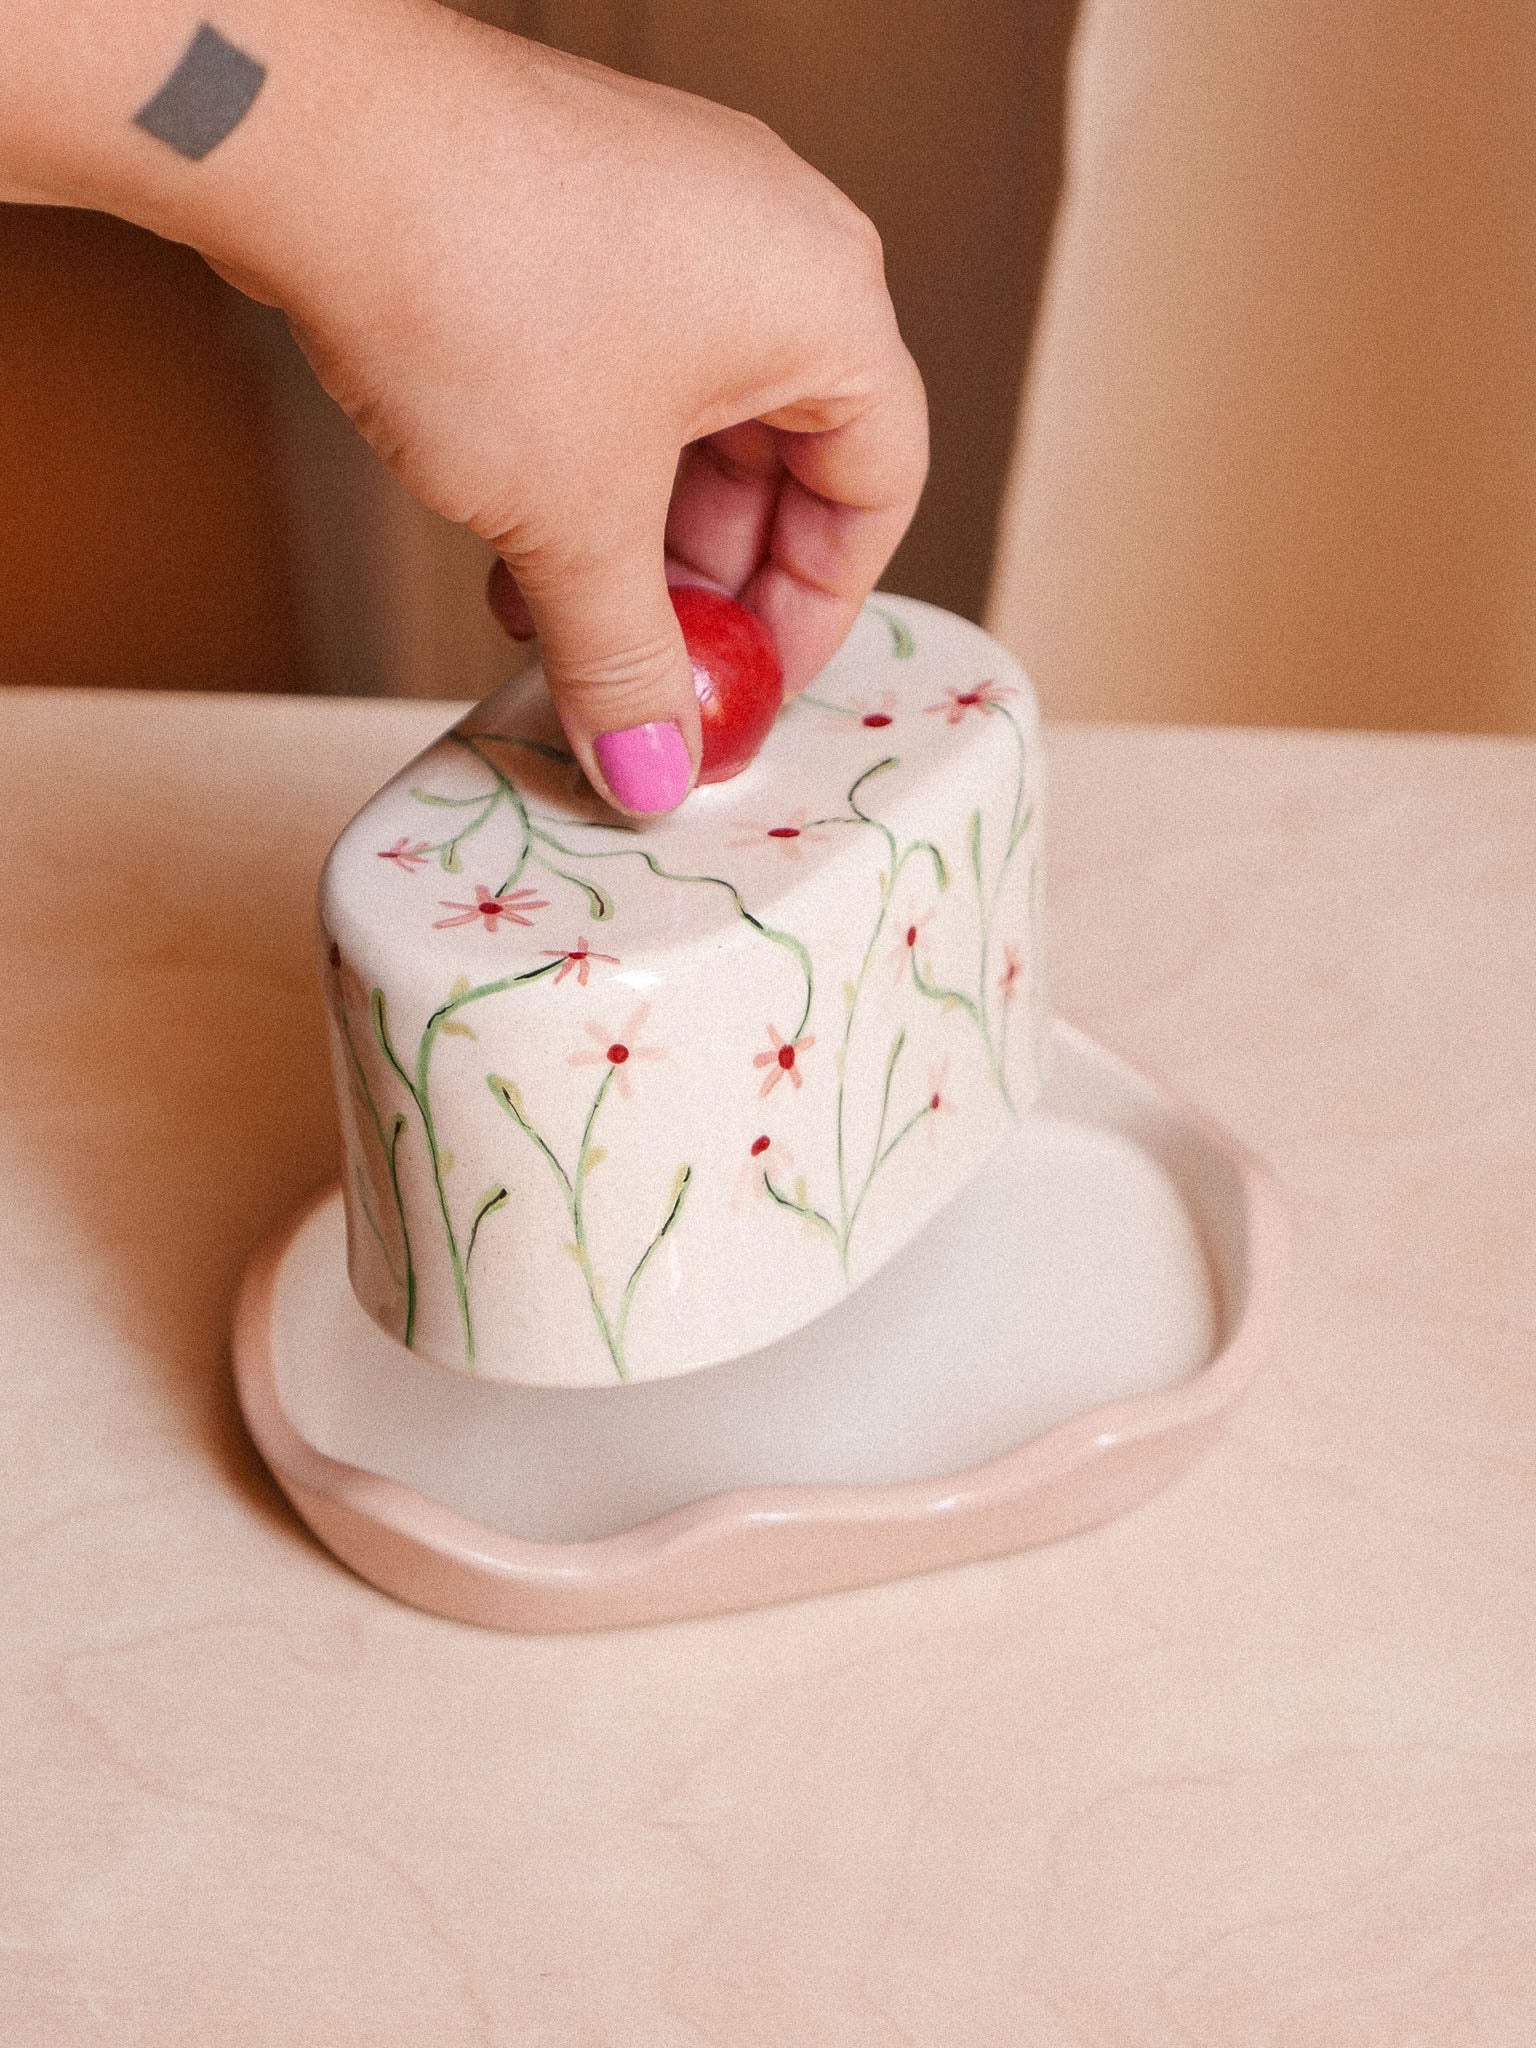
621, 1103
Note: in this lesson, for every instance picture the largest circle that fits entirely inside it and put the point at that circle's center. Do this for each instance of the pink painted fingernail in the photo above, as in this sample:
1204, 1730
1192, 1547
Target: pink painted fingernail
645, 766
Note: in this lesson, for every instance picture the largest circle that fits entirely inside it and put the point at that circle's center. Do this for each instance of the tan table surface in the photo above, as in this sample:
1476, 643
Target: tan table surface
1256, 1765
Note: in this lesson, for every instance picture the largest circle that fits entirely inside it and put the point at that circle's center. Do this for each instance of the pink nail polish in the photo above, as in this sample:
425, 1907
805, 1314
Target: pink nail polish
645, 766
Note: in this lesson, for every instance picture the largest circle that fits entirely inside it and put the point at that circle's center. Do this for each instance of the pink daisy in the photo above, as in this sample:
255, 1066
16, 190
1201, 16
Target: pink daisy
764, 1155
406, 853
791, 835
940, 1102
1013, 967
617, 1049
496, 911
579, 959
984, 698
781, 1058
904, 946
875, 712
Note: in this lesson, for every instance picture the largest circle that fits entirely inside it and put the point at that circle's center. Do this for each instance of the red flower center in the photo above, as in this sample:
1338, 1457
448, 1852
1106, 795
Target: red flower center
968, 697
618, 1054
786, 1057
877, 718
492, 907
784, 832
911, 934
933, 1102
759, 1147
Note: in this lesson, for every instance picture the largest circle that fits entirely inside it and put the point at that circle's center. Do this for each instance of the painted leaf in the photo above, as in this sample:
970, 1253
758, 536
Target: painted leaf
903, 646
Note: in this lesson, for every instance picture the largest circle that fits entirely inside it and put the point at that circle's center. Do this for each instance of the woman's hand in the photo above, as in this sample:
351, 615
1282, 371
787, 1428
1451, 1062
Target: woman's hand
591, 318
602, 318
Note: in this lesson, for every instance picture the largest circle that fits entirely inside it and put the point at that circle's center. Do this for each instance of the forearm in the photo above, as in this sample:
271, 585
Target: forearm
279, 199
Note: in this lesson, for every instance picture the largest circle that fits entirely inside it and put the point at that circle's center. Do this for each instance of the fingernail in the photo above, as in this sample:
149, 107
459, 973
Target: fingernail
645, 766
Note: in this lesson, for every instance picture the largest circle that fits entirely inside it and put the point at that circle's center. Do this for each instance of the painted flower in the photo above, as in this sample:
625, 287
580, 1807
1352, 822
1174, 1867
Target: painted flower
875, 712
578, 961
495, 911
985, 697
764, 1155
782, 1058
904, 946
618, 1049
1013, 968
940, 1102
791, 835
409, 854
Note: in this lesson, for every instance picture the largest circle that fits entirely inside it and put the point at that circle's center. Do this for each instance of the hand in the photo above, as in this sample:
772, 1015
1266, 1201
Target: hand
594, 319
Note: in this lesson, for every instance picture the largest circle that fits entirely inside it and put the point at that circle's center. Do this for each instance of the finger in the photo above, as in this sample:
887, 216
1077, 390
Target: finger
616, 667
508, 606
847, 500
723, 504
510, 610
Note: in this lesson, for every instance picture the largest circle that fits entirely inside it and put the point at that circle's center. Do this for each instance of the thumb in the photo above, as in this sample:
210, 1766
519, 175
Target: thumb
617, 670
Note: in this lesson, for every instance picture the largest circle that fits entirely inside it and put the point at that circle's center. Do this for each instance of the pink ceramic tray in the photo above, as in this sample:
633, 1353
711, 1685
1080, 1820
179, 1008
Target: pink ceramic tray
1054, 1349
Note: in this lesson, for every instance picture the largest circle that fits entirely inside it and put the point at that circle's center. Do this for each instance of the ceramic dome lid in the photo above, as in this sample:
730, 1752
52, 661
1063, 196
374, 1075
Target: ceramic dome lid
622, 1102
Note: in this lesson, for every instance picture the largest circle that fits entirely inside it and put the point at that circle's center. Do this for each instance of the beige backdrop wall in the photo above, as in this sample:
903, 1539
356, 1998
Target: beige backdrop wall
1279, 455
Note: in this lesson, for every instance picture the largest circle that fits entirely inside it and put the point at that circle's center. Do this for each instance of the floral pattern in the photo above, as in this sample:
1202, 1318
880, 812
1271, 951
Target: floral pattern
618, 1048
782, 1059
494, 908
789, 837
578, 961
957, 705
923, 905
407, 853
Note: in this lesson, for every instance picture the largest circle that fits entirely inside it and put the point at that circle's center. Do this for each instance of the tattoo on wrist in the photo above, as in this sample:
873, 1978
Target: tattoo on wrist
208, 94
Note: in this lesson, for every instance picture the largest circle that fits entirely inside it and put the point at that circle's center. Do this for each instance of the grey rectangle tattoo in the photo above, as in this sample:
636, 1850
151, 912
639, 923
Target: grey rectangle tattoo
209, 93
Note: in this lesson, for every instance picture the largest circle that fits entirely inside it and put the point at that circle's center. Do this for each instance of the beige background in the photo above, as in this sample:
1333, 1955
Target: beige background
1279, 450
1280, 454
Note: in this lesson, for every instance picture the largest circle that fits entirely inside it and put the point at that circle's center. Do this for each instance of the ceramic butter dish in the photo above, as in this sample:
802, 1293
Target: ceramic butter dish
620, 1103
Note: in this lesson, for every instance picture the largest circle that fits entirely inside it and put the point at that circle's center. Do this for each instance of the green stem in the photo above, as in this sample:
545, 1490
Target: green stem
903, 646
572, 1187
502, 791
786, 940
410, 1266
907, 1128
876, 1156
825, 704
898, 859
644, 1259
361, 1190
489, 1204
419, 1089
802, 1209
388, 1147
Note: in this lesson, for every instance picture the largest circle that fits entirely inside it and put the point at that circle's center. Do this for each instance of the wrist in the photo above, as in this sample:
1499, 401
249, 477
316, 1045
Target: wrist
289, 196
